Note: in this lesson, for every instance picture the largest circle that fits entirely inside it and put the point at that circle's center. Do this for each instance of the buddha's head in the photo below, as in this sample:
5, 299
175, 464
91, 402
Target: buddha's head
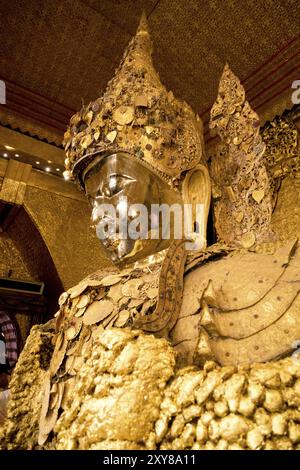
134, 149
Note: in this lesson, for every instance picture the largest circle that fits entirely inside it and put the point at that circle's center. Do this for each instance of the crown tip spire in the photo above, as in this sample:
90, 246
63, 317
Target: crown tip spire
143, 24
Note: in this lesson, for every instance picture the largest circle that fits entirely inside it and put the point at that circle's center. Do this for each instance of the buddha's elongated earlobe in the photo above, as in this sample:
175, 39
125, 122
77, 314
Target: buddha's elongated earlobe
196, 191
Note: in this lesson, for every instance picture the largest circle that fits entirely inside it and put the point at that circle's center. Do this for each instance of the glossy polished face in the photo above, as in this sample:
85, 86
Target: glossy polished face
123, 193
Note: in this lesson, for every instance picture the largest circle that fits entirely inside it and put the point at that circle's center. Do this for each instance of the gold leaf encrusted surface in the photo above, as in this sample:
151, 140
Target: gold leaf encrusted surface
234, 408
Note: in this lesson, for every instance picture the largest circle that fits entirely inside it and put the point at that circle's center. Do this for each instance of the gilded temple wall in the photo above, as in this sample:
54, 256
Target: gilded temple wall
64, 224
11, 260
24, 323
12, 263
282, 159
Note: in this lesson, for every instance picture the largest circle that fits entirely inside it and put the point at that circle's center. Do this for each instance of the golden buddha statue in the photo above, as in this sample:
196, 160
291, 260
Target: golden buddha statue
109, 384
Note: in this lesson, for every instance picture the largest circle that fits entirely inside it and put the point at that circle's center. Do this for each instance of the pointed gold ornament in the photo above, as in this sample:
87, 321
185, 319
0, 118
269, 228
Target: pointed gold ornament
238, 168
134, 101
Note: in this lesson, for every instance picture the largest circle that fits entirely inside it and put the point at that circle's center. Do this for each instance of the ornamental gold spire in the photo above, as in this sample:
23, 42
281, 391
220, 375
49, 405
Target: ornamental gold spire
136, 115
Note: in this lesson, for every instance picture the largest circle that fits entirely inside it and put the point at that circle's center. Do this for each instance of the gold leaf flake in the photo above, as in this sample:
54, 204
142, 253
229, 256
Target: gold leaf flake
54, 388
131, 288
248, 240
75, 302
88, 117
97, 331
123, 115
42, 438
123, 302
61, 373
108, 321
135, 303
111, 136
80, 312
230, 193
67, 135
239, 217
83, 302
94, 282
76, 347
61, 387
122, 318
78, 363
112, 321
152, 292
70, 332
86, 141
258, 195
72, 372
141, 100
146, 306
67, 394
45, 394
63, 298
87, 332
115, 292
75, 119
125, 272
97, 311
69, 363
58, 357
87, 346
78, 325
100, 294
77, 290
73, 348
53, 400
59, 340
110, 280
49, 421
149, 129
73, 330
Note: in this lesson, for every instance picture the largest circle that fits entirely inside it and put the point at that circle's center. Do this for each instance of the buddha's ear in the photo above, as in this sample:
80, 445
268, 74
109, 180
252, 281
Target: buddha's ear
196, 190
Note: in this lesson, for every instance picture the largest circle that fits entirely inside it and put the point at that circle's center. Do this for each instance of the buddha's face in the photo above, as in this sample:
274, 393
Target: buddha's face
125, 195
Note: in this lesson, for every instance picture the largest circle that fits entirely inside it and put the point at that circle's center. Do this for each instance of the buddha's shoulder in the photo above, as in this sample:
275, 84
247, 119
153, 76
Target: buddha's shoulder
111, 296
240, 278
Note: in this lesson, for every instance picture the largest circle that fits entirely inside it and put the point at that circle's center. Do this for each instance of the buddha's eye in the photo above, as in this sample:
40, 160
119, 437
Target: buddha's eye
113, 185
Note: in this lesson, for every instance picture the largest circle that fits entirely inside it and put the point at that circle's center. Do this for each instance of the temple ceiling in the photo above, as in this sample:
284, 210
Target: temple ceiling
54, 55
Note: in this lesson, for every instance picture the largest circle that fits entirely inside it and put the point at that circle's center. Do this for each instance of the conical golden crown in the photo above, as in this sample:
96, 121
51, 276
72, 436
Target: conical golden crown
137, 115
